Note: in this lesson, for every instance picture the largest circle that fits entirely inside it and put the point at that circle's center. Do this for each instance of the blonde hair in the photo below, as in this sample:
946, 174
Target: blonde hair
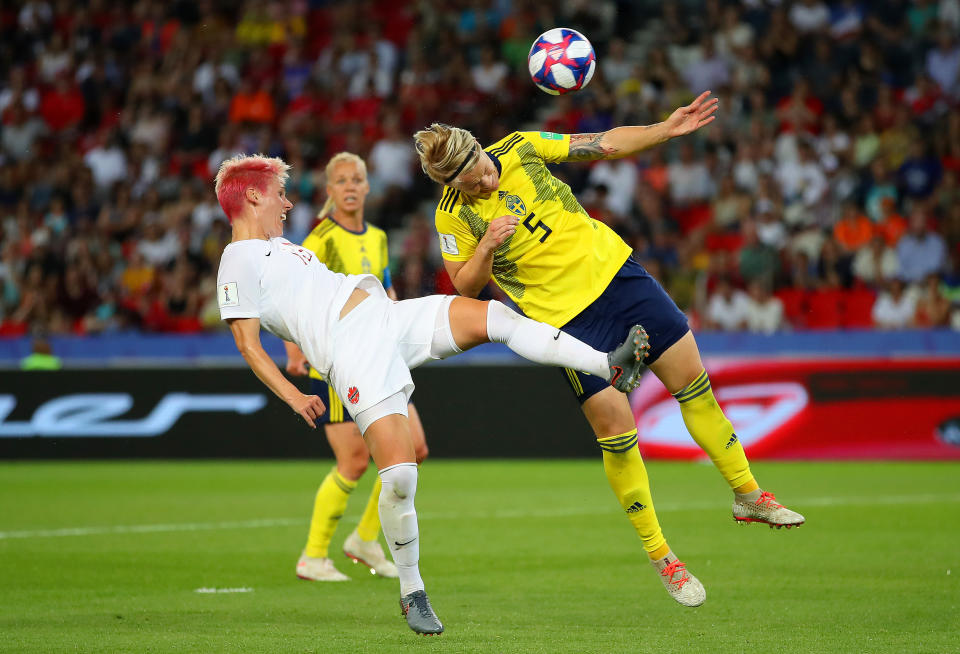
239, 173
446, 151
339, 158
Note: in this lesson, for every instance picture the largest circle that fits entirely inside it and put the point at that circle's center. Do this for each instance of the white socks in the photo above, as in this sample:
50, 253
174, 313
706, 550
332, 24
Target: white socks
541, 343
398, 518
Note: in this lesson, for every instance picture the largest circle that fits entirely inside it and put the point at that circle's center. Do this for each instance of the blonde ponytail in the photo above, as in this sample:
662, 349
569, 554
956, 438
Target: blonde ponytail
446, 151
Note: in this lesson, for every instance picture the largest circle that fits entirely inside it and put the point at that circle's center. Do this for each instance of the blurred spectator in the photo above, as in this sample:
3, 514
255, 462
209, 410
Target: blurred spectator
920, 251
810, 16
41, 356
764, 310
943, 63
895, 307
489, 74
758, 261
933, 308
876, 262
854, 230
689, 178
919, 173
619, 177
728, 308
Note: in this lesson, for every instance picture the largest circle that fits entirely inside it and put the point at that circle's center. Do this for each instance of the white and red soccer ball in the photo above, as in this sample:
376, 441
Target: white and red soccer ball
561, 60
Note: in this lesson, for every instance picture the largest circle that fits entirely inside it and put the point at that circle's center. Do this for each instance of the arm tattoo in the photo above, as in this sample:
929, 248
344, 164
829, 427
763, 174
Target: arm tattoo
589, 147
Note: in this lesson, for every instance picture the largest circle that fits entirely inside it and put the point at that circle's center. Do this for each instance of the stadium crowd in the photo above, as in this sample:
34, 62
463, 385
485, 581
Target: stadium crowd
825, 195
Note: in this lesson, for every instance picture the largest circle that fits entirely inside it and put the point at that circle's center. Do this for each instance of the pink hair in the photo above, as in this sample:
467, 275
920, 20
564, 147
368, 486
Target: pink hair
239, 173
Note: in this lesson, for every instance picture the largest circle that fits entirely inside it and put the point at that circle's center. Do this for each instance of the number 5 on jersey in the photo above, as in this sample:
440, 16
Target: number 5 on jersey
528, 223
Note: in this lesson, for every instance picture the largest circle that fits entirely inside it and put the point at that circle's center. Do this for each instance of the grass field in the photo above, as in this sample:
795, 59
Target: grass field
530, 556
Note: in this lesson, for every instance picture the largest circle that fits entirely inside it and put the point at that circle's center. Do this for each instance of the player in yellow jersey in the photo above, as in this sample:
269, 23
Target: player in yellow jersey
504, 216
346, 243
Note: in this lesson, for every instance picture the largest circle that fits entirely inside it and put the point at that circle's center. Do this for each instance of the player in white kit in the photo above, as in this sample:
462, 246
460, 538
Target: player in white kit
365, 344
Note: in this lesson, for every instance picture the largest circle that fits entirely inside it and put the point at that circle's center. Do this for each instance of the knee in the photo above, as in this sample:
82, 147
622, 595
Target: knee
353, 464
400, 480
501, 322
421, 452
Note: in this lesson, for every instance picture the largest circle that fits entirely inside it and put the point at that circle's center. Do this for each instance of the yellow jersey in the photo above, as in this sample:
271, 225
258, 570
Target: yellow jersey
352, 253
560, 259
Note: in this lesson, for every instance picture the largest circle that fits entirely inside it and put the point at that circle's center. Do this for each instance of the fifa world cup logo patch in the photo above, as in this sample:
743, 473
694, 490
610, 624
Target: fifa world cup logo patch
353, 395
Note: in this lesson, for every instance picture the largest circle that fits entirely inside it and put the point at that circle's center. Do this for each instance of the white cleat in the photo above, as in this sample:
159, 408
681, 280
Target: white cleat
766, 510
370, 554
314, 569
680, 584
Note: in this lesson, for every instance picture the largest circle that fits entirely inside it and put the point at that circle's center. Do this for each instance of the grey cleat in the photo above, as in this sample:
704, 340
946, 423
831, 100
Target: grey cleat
626, 361
419, 614
765, 509
682, 586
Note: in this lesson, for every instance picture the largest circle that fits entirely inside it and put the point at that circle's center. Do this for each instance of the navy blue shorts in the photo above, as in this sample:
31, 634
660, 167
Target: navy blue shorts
335, 413
632, 297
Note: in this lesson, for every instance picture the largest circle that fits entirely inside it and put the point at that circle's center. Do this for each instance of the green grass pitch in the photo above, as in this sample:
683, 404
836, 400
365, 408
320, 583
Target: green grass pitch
531, 556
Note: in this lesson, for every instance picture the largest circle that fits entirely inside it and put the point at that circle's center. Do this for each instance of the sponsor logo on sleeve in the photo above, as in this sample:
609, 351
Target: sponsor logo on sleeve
448, 244
551, 136
227, 295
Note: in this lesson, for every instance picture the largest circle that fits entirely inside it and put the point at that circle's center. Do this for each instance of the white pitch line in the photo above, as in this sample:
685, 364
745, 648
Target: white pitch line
504, 514
150, 529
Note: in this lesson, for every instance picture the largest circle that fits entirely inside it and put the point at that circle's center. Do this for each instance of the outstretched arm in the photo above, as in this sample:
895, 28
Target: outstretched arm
246, 334
622, 142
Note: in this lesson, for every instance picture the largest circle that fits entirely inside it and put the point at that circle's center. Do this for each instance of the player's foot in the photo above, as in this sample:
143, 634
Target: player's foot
626, 361
680, 584
370, 554
416, 608
317, 569
764, 508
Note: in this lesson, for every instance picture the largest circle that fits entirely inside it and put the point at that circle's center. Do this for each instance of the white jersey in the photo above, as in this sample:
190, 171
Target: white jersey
294, 295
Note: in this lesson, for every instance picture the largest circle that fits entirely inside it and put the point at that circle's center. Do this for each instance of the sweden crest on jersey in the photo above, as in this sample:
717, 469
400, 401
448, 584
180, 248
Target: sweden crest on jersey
515, 205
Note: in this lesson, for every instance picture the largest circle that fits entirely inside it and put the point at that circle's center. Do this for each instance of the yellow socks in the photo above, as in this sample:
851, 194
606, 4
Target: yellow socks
628, 479
713, 432
369, 527
328, 508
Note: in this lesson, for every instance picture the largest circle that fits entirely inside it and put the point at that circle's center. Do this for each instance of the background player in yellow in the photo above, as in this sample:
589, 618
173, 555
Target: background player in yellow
504, 216
346, 243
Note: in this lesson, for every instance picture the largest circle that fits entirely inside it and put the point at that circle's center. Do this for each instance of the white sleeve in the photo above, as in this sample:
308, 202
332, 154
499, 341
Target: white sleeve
238, 286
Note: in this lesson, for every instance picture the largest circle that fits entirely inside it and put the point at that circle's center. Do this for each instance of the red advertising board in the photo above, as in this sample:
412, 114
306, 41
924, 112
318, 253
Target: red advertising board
821, 408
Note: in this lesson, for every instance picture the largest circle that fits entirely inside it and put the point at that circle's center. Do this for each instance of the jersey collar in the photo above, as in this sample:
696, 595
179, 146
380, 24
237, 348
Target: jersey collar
347, 229
496, 162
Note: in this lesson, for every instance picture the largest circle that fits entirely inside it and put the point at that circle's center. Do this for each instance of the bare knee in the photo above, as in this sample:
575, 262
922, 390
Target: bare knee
679, 365
353, 462
421, 452
609, 413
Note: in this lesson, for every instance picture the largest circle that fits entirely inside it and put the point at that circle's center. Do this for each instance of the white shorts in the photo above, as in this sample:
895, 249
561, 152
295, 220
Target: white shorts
375, 346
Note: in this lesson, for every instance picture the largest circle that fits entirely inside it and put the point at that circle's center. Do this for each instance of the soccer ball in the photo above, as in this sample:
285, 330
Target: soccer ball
561, 60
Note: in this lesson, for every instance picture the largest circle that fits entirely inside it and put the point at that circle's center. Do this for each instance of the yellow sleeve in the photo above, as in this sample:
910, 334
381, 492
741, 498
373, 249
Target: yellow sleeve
553, 148
457, 242
312, 243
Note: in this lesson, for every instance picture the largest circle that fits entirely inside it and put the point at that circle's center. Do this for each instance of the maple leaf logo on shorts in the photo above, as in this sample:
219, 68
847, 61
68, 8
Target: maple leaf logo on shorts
353, 395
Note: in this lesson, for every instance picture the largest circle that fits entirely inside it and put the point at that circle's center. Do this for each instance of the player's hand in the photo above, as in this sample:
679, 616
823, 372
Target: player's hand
499, 230
310, 407
297, 365
693, 116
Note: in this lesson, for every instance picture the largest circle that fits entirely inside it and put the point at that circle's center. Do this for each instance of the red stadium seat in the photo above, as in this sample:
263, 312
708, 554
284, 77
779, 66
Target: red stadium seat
794, 305
858, 308
825, 308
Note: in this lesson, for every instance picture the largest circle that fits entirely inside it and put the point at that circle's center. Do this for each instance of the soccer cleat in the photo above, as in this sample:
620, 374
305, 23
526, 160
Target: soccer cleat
318, 569
766, 510
680, 584
626, 361
370, 554
416, 608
